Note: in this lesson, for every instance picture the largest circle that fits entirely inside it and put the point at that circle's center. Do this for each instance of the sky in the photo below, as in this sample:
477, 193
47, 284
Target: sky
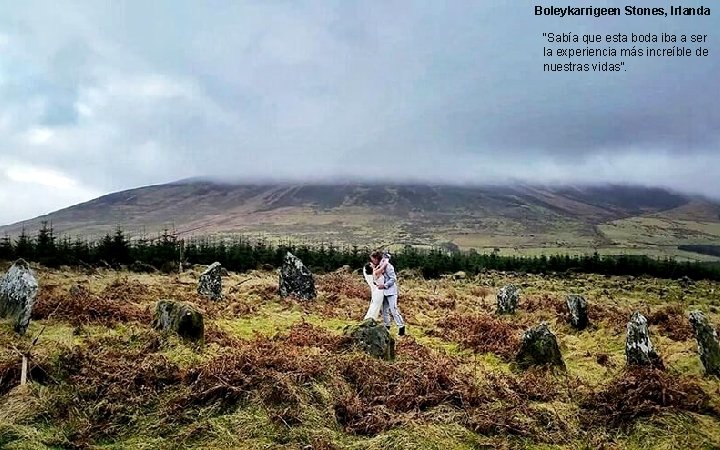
99, 96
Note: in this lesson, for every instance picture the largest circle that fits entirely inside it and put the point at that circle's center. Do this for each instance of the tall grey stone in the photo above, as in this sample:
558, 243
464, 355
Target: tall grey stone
18, 290
577, 306
539, 347
296, 279
639, 350
507, 299
210, 284
707, 341
373, 338
179, 317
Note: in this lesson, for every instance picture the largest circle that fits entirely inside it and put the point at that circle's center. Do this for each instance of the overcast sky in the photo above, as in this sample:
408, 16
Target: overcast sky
99, 96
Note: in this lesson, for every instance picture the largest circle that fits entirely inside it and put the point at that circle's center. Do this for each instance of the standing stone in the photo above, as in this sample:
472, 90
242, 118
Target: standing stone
296, 279
639, 350
685, 281
179, 317
373, 338
707, 340
507, 299
577, 305
18, 289
539, 347
210, 284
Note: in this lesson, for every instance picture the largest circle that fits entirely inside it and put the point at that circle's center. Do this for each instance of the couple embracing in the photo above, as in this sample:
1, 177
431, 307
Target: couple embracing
381, 277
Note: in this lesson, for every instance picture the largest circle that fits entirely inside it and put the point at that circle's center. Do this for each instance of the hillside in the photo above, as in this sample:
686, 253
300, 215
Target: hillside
515, 219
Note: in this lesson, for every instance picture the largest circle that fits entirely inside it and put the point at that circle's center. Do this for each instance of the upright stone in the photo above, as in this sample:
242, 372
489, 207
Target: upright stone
577, 305
539, 347
373, 338
707, 341
507, 299
639, 350
210, 284
179, 317
18, 290
685, 281
296, 279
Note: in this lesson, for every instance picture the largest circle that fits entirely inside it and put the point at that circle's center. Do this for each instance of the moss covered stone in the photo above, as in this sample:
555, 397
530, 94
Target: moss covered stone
210, 284
707, 341
179, 317
295, 279
18, 290
577, 307
639, 350
373, 338
539, 347
507, 299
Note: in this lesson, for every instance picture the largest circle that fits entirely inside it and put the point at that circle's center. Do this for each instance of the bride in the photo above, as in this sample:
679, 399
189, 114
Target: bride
377, 294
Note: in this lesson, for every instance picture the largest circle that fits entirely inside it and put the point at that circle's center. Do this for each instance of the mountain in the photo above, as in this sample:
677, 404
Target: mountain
514, 219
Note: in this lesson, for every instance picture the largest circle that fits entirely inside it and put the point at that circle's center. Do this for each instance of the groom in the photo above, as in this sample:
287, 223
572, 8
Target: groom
390, 293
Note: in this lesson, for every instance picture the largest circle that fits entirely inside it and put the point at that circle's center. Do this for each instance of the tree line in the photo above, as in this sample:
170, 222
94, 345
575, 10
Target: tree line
706, 249
168, 253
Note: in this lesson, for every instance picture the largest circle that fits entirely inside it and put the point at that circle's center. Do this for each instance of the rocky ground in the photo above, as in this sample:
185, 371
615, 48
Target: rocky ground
278, 373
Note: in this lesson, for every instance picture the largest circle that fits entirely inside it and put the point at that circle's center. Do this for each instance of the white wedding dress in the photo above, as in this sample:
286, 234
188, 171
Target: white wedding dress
376, 298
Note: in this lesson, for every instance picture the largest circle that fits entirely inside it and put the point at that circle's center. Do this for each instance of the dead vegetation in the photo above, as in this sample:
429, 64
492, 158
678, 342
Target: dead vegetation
78, 306
263, 369
10, 371
343, 284
609, 315
544, 303
113, 382
482, 333
378, 396
672, 322
222, 338
313, 386
124, 290
306, 335
274, 371
637, 393
265, 291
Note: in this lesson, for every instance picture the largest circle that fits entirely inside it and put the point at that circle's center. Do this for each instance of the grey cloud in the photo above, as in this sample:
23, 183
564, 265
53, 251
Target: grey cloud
116, 95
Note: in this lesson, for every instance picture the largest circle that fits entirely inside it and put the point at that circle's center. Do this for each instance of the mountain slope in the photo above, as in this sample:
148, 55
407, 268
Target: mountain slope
523, 219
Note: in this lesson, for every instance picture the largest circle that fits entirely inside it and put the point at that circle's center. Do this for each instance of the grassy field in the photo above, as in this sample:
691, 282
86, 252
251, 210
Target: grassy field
276, 373
651, 235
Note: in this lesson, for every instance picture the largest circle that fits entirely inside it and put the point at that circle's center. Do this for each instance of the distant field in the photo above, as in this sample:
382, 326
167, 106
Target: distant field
563, 240
635, 236
659, 231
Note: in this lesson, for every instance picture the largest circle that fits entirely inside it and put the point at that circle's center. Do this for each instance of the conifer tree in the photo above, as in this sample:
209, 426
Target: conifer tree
24, 247
120, 248
45, 244
7, 252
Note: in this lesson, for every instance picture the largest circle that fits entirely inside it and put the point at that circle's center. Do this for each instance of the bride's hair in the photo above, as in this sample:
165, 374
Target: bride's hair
368, 269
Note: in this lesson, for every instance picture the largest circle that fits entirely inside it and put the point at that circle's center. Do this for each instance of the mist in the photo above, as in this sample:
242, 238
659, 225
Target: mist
98, 97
